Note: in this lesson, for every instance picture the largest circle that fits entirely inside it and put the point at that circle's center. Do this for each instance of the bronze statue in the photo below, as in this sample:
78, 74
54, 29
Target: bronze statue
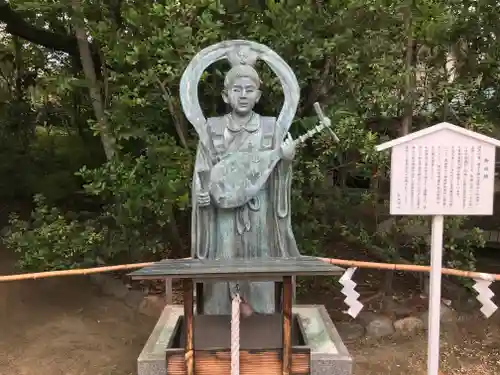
243, 172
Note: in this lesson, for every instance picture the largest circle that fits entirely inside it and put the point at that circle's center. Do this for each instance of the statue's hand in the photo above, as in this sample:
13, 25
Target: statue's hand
203, 199
245, 309
288, 148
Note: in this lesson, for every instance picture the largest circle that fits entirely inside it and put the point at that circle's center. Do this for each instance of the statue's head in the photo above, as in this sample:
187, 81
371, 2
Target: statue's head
242, 82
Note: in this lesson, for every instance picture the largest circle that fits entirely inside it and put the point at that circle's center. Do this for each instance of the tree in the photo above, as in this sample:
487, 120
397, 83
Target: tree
373, 65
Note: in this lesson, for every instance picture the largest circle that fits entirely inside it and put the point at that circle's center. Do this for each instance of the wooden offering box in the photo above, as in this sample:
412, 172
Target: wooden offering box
270, 344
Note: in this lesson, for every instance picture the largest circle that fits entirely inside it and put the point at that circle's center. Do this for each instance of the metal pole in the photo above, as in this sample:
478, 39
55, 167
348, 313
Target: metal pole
435, 294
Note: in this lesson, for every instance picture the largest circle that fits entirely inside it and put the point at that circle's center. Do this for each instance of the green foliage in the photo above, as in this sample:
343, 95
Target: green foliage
347, 55
142, 195
54, 160
52, 241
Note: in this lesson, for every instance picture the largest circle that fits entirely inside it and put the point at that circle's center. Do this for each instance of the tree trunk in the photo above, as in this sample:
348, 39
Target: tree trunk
449, 68
18, 60
407, 111
16, 25
177, 116
107, 139
409, 72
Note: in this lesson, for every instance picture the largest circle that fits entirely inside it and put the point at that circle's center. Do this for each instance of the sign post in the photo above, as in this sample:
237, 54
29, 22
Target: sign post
438, 171
435, 294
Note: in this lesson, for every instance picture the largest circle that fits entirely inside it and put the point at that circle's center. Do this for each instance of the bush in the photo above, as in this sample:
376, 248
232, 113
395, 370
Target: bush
141, 198
52, 241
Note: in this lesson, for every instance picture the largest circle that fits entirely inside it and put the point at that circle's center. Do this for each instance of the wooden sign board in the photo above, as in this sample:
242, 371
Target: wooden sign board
438, 171
442, 170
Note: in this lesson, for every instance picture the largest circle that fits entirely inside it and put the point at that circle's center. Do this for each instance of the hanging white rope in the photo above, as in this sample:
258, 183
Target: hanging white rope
235, 335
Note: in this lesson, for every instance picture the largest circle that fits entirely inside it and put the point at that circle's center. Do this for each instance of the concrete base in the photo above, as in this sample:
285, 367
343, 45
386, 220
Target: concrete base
329, 356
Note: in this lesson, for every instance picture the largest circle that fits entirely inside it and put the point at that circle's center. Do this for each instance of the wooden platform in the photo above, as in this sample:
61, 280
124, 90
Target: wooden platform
261, 344
213, 332
264, 268
328, 353
266, 349
218, 362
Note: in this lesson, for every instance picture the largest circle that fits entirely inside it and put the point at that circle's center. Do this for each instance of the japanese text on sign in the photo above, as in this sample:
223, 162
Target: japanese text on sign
442, 174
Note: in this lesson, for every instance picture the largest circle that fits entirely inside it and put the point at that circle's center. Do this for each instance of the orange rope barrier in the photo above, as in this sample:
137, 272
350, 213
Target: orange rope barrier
337, 262
82, 271
408, 268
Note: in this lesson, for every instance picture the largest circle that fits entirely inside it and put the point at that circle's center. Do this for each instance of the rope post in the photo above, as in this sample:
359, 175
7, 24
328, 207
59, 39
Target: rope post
235, 335
200, 305
278, 294
287, 324
169, 295
188, 326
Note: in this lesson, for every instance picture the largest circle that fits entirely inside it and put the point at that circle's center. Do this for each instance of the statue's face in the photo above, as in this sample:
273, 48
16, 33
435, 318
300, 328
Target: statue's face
242, 95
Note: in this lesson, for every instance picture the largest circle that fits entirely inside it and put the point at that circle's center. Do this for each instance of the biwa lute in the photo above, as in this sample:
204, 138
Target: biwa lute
249, 171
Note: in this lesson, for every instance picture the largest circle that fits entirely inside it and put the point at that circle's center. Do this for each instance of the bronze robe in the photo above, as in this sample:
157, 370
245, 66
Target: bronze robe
256, 221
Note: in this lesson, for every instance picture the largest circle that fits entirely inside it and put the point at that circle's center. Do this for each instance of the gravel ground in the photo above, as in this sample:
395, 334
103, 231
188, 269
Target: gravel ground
471, 347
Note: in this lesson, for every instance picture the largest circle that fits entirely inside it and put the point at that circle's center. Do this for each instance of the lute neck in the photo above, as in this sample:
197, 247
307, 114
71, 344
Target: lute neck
310, 133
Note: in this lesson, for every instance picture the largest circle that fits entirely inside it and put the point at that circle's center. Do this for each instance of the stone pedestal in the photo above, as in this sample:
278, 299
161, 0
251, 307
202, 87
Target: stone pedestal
329, 356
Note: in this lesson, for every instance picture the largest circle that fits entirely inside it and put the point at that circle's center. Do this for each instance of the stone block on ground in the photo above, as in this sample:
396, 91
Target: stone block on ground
408, 326
376, 325
380, 327
448, 315
398, 310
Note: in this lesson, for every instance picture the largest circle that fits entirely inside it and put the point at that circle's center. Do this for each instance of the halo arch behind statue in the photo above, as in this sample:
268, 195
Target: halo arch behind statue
219, 51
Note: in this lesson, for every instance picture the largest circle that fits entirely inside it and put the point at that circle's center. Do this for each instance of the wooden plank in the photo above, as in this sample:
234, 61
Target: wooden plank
200, 307
235, 277
236, 268
278, 288
169, 292
188, 326
213, 332
287, 324
255, 362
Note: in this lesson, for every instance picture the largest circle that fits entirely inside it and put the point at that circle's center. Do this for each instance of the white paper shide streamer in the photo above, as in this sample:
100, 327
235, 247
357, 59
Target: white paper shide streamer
485, 294
349, 291
235, 335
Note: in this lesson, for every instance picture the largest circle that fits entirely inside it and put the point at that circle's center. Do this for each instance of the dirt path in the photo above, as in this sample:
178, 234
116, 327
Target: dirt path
65, 326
